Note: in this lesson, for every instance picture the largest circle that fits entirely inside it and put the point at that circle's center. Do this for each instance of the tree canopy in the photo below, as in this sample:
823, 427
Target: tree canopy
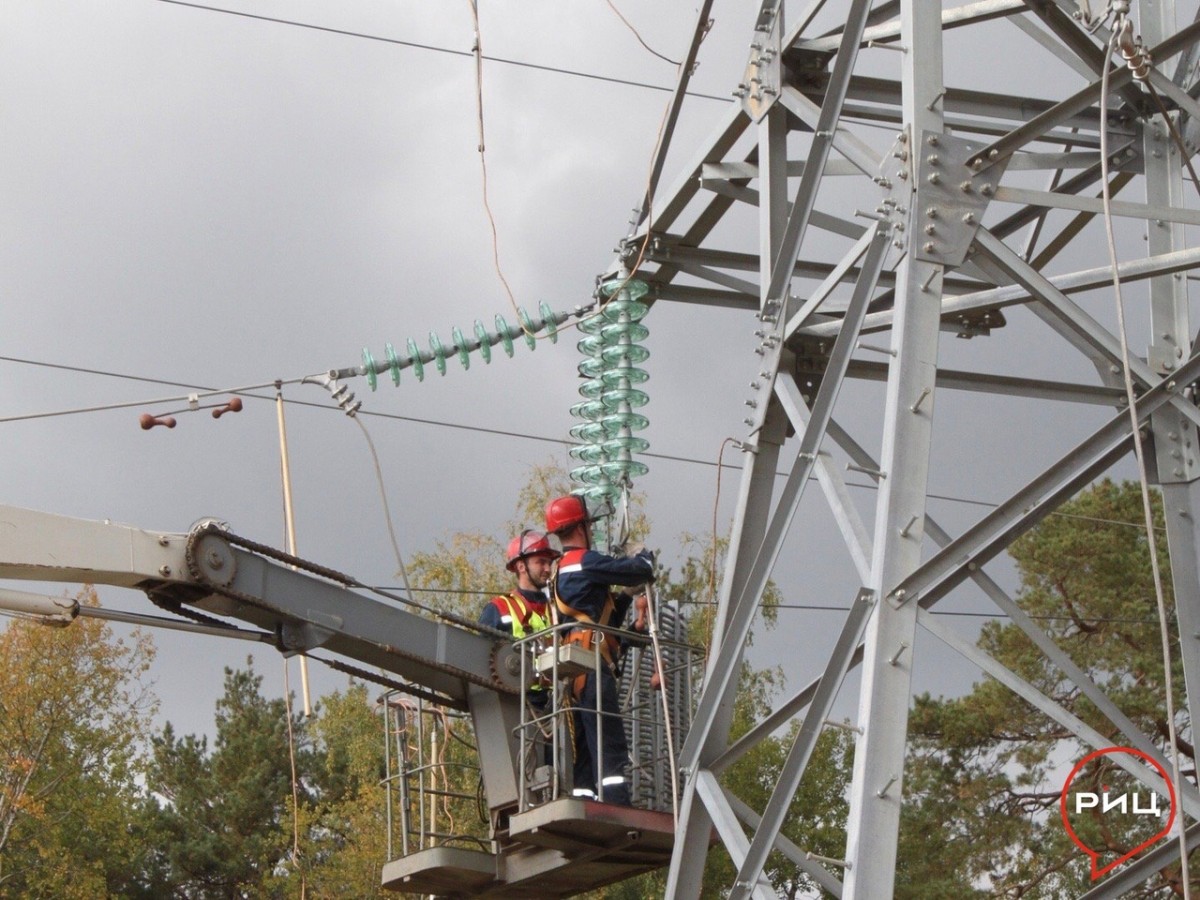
985, 769
74, 713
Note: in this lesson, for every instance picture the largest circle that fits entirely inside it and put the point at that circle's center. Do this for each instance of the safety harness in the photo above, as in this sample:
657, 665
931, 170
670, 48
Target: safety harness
585, 637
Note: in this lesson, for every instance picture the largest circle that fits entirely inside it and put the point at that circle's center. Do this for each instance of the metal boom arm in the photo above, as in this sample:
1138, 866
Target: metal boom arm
212, 570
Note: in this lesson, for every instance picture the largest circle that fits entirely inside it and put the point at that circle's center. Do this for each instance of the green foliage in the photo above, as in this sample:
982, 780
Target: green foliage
695, 587
73, 710
345, 845
463, 572
225, 825
985, 769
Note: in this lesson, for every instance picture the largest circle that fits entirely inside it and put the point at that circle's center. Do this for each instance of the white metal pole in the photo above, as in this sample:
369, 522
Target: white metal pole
285, 471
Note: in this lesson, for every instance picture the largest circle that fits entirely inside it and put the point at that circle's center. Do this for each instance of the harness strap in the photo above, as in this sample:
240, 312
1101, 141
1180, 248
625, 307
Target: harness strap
588, 636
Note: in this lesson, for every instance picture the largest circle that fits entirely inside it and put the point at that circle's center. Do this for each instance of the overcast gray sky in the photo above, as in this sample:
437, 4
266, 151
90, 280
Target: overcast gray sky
219, 200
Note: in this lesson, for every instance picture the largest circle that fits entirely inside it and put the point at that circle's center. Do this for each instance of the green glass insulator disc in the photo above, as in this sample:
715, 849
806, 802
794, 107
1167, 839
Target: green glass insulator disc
634, 288
612, 334
594, 474
549, 321
589, 453
633, 353
630, 310
414, 356
393, 363
591, 346
592, 389
633, 421
629, 375
636, 469
590, 324
505, 334
627, 442
598, 496
637, 289
589, 409
460, 344
485, 345
439, 352
592, 368
369, 368
616, 396
589, 432
616, 471
527, 328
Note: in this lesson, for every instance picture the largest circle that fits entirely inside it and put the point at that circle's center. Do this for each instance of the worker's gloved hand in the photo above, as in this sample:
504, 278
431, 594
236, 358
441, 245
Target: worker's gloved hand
633, 548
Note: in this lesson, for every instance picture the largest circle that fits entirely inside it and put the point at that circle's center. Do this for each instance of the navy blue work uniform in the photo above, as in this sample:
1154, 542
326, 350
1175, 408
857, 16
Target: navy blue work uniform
581, 590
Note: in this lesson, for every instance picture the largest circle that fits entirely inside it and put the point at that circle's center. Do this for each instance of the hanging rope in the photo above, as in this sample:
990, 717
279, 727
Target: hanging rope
1122, 39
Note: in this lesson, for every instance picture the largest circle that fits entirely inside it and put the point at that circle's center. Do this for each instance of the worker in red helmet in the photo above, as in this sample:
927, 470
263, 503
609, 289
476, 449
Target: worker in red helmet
581, 588
523, 611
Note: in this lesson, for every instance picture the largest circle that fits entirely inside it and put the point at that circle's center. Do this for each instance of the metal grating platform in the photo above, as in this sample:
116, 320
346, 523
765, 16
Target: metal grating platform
558, 850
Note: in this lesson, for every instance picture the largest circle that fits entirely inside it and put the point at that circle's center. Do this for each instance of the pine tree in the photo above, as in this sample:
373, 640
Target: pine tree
224, 822
985, 769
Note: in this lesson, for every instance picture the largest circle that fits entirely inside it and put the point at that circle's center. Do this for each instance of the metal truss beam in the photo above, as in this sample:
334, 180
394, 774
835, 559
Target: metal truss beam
961, 235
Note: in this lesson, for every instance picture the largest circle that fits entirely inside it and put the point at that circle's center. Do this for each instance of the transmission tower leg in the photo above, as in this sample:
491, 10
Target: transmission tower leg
1175, 438
685, 878
874, 820
760, 460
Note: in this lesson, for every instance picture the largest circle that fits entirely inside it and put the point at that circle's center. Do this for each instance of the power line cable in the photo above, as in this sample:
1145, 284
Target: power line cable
637, 35
818, 607
437, 423
435, 49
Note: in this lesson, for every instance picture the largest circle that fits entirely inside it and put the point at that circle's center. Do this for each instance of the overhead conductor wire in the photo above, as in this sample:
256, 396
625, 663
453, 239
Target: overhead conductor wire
387, 512
1122, 28
245, 391
669, 114
637, 35
477, 51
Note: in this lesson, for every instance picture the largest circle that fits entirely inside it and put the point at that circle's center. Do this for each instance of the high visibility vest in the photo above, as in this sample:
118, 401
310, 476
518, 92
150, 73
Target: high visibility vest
516, 612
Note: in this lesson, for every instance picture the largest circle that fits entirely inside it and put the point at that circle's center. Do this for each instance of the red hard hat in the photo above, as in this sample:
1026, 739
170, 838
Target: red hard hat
526, 544
564, 512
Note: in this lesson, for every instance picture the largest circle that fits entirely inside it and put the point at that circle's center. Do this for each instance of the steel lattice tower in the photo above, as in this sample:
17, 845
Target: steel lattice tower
973, 202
